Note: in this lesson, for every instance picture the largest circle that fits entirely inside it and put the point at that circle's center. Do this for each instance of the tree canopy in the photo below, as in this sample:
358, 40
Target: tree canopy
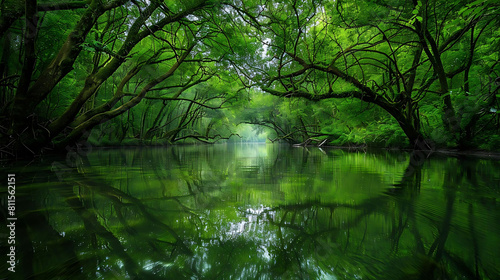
422, 74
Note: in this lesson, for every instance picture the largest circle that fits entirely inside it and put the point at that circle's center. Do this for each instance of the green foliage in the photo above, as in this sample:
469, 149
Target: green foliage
375, 73
491, 143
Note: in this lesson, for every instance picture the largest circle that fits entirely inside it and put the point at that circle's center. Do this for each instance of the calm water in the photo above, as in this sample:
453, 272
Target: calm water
255, 212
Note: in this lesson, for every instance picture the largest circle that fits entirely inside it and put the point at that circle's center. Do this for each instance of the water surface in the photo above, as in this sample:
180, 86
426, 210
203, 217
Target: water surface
256, 212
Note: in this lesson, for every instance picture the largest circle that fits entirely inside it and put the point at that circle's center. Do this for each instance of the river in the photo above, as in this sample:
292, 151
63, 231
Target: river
254, 211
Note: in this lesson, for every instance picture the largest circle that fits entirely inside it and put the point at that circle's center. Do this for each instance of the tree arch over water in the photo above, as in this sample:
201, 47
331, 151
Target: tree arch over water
68, 67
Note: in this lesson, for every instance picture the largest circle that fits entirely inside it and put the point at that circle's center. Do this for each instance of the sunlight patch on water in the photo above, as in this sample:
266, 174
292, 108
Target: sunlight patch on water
254, 218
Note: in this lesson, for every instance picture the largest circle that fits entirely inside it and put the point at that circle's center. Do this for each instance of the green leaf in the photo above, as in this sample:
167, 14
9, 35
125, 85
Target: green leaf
466, 12
477, 2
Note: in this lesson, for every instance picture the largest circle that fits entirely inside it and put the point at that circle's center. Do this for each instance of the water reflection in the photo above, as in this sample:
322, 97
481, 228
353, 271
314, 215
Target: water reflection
257, 212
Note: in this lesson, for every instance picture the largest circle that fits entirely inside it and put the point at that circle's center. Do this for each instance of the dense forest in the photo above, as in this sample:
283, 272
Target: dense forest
416, 74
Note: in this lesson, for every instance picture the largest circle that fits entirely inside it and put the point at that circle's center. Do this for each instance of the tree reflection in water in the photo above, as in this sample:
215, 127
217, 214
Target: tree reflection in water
258, 212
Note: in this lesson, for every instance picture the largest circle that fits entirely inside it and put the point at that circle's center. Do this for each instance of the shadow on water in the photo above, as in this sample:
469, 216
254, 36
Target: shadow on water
256, 212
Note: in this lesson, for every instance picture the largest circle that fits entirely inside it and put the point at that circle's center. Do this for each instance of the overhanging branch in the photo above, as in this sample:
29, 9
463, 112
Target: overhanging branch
176, 99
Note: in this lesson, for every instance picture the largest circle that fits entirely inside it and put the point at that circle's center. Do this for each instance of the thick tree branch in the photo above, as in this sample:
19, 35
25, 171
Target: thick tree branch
99, 118
59, 67
14, 10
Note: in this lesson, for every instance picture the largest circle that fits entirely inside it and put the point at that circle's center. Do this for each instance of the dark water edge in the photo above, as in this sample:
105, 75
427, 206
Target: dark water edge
255, 212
